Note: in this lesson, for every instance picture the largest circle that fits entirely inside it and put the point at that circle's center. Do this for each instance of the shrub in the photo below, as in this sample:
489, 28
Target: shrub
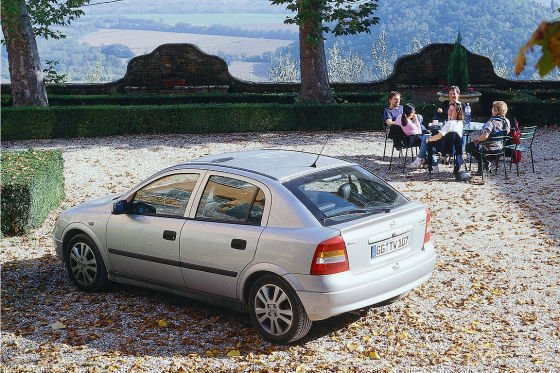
32, 184
90, 121
182, 98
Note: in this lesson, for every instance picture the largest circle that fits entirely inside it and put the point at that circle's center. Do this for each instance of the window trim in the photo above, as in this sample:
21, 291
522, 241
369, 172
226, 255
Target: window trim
260, 185
201, 174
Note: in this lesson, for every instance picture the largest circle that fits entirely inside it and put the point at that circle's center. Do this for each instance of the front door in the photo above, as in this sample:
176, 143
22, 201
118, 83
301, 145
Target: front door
143, 244
222, 237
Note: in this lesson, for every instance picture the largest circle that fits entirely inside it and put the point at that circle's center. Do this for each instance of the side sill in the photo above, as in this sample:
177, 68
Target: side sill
217, 300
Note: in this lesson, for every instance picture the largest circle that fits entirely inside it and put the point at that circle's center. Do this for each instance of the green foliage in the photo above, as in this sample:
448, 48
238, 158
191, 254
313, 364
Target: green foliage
458, 71
341, 17
117, 50
32, 184
211, 98
50, 75
89, 121
48, 15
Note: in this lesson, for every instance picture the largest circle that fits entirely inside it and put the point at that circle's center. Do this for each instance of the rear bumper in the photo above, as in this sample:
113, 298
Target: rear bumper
352, 292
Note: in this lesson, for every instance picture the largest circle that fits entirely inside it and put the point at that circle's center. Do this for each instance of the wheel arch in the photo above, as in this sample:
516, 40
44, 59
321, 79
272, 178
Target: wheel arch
74, 229
251, 274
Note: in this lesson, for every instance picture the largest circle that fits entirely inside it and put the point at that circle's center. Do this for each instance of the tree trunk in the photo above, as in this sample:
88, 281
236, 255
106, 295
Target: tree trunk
26, 76
313, 63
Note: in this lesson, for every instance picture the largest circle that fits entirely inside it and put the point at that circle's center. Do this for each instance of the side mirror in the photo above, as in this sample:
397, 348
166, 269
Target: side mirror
120, 207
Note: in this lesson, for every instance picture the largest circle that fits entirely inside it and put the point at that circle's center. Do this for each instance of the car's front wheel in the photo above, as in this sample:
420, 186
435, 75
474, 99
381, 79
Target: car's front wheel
277, 311
85, 265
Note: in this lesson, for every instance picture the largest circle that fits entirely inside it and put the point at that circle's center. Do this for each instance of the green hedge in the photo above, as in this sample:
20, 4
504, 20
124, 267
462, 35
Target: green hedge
179, 99
90, 121
32, 184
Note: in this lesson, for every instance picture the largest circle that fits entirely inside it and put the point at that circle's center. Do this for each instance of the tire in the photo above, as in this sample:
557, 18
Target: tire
85, 265
277, 311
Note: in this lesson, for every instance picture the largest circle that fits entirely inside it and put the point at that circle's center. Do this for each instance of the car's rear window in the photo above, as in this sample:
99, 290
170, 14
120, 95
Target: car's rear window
343, 194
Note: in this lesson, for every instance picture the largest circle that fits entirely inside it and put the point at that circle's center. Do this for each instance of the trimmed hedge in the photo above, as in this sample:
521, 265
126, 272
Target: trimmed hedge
32, 184
178, 99
90, 121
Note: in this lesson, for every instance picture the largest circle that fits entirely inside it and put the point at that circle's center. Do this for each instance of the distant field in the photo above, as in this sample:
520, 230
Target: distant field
141, 41
206, 19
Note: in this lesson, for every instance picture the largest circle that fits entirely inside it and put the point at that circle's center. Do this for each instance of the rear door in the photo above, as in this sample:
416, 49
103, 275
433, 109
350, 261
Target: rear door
385, 238
220, 238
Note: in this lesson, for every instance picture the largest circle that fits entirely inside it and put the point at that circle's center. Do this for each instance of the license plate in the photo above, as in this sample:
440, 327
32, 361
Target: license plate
389, 246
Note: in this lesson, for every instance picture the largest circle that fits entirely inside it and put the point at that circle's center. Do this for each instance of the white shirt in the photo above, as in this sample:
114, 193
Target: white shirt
452, 126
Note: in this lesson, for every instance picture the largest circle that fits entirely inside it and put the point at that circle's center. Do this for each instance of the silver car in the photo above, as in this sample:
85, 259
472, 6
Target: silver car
291, 237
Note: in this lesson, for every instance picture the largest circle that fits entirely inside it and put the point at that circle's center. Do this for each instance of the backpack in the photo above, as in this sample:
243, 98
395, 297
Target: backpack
515, 139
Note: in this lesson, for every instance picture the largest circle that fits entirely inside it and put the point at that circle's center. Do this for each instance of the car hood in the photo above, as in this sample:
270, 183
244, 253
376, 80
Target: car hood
98, 204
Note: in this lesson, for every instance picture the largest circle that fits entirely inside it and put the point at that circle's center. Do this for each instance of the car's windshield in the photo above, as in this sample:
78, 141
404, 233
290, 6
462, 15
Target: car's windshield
345, 193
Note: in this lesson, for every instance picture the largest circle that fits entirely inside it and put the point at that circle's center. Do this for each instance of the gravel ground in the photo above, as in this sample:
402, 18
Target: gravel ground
493, 302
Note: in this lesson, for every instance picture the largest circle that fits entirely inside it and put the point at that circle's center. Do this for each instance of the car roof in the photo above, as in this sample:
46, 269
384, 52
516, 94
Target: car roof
277, 164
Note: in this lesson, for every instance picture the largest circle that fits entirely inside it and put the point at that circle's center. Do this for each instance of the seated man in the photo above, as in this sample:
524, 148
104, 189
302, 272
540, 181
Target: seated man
498, 123
455, 125
394, 109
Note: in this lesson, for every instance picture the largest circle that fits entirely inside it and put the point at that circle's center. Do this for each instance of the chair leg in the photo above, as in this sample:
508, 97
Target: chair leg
504, 162
532, 161
385, 147
481, 165
517, 168
405, 159
391, 160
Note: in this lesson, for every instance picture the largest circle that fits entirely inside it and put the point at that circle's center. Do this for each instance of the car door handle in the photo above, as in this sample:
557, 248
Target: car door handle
169, 235
238, 244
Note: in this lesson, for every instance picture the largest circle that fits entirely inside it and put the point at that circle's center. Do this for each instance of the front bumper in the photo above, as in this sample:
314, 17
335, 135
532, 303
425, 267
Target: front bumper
352, 292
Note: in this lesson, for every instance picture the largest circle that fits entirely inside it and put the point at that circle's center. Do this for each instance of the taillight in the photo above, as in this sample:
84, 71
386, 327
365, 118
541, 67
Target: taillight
428, 233
330, 257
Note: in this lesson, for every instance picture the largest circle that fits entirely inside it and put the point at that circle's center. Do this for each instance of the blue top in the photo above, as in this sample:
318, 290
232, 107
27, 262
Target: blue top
392, 114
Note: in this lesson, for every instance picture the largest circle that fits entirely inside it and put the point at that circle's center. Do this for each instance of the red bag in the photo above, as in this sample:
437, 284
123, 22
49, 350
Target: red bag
516, 134
516, 156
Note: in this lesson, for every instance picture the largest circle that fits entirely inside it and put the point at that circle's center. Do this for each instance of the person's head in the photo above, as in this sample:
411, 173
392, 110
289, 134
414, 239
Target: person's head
499, 108
454, 92
408, 112
455, 112
394, 99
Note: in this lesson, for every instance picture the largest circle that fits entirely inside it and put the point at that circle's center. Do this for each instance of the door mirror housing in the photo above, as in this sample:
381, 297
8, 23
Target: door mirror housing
120, 207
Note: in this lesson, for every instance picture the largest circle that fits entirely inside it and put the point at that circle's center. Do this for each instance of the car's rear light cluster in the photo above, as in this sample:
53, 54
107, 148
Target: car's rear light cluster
428, 233
330, 257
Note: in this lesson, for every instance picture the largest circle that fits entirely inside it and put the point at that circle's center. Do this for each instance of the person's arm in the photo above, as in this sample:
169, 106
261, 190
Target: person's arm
484, 132
435, 137
387, 117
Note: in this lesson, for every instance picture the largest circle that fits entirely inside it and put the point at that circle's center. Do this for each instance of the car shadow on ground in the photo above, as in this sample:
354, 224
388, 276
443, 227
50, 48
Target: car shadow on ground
40, 303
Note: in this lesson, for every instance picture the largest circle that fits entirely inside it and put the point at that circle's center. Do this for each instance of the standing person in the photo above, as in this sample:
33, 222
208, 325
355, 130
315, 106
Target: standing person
453, 93
496, 124
410, 124
454, 124
394, 109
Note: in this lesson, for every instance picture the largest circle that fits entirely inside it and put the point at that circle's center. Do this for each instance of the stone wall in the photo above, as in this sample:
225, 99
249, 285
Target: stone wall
185, 68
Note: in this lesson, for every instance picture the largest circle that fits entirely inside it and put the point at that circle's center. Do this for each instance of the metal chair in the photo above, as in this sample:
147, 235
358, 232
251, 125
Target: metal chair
525, 145
451, 144
497, 138
400, 142
386, 129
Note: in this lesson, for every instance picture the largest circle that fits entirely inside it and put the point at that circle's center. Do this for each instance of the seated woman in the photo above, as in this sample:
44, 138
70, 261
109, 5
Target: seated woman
454, 124
410, 124
498, 123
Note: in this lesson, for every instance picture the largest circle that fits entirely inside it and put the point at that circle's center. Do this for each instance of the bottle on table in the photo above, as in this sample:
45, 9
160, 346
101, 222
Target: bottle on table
468, 114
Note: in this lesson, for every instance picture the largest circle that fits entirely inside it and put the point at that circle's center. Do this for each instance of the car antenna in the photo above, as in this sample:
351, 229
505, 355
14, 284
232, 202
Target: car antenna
320, 153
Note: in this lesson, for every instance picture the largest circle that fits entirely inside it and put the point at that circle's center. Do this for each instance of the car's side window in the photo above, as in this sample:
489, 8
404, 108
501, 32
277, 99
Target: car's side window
231, 200
166, 196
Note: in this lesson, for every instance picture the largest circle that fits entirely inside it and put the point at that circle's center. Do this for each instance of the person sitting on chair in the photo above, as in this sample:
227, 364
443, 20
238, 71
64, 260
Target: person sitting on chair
394, 109
498, 123
410, 124
454, 124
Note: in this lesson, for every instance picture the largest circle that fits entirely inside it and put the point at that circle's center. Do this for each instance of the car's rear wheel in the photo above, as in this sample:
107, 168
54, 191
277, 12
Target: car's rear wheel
85, 265
277, 311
